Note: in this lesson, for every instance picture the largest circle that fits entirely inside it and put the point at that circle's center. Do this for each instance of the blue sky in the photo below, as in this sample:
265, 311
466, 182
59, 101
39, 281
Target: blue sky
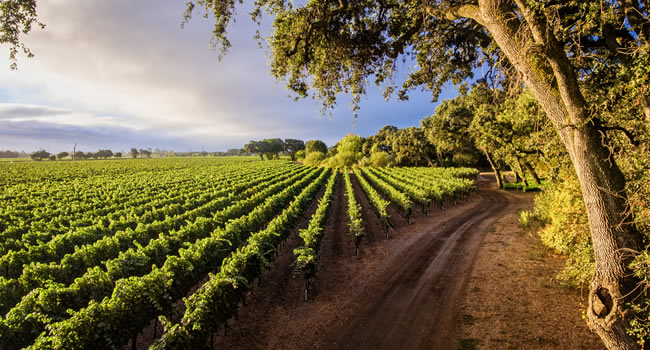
119, 74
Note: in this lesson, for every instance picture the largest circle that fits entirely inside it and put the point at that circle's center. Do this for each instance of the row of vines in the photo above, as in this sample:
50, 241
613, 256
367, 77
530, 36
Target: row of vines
91, 253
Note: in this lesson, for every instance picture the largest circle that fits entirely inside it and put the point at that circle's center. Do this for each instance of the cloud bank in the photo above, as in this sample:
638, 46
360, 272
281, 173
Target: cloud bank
122, 73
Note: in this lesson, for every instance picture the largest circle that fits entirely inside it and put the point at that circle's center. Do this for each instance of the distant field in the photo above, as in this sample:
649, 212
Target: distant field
14, 159
98, 249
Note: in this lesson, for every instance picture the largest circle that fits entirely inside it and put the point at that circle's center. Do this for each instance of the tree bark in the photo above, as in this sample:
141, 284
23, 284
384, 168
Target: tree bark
497, 172
523, 172
532, 173
533, 50
645, 102
517, 176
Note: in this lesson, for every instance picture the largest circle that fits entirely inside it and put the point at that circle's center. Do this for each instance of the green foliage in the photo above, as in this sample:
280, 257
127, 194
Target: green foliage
448, 130
314, 158
561, 208
40, 155
524, 218
307, 256
355, 222
379, 205
411, 147
217, 300
300, 154
348, 152
381, 159
259, 193
315, 146
293, 146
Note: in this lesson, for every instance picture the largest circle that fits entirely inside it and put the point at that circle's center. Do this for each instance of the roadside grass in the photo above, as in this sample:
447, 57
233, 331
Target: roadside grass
519, 186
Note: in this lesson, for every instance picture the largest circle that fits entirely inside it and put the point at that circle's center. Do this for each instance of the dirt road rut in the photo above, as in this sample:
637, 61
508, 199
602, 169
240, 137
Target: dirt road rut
416, 307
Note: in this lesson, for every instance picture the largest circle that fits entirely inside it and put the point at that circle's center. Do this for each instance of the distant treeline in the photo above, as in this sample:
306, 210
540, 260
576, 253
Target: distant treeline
107, 153
13, 154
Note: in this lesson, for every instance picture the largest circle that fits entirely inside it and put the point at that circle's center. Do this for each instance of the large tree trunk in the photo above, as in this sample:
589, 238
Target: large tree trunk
532, 172
541, 60
497, 172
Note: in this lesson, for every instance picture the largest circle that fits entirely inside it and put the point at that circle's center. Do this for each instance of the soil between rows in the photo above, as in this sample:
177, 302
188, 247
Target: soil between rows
413, 291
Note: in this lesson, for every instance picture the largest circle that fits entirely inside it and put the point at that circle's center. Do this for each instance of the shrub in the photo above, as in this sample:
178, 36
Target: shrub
381, 159
561, 208
314, 158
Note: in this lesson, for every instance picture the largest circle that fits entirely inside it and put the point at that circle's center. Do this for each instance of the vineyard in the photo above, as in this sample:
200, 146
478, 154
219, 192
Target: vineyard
92, 253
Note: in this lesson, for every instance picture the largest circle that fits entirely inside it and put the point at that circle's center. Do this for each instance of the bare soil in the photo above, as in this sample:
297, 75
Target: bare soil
464, 277
513, 300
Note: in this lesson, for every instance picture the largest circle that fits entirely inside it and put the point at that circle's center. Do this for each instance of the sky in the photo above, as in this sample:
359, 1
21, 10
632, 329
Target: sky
116, 74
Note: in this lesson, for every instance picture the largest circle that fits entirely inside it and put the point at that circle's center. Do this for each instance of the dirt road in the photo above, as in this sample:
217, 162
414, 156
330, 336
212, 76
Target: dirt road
416, 307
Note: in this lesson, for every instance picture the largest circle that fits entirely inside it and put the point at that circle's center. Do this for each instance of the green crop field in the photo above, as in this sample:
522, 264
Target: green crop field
98, 249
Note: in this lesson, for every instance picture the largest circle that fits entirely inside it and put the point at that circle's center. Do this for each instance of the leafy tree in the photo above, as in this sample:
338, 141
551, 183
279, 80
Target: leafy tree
274, 148
381, 159
134, 153
448, 130
292, 146
381, 141
412, 148
103, 153
315, 146
52, 157
233, 152
8, 154
118, 155
348, 152
145, 153
40, 155
62, 155
256, 147
300, 154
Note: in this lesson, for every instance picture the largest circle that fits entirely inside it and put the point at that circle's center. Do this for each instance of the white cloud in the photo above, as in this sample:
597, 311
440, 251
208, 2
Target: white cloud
126, 65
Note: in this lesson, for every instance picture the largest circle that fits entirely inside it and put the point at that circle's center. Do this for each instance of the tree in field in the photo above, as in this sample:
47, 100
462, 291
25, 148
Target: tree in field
348, 152
448, 130
274, 148
40, 155
52, 157
315, 146
103, 153
134, 153
292, 146
146, 153
256, 147
233, 151
411, 147
570, 54
62, 155
380, 141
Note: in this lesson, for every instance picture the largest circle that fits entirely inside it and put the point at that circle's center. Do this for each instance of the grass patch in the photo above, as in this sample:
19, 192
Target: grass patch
519, 186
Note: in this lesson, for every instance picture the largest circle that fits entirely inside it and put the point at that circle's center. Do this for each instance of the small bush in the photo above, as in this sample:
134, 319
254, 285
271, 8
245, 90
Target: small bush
561, 208
314, 158
381, 159
524, 218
